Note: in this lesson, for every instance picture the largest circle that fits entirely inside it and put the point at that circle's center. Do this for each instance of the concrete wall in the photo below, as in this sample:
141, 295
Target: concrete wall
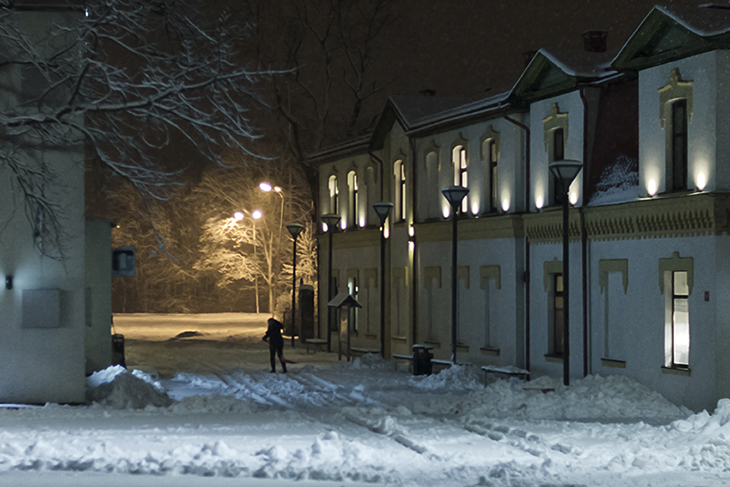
98, 293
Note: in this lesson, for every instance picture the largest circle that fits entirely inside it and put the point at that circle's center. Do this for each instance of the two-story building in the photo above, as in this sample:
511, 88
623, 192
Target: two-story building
648, 222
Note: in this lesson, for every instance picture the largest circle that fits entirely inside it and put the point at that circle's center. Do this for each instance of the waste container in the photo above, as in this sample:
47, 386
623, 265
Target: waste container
422, 360
118, 350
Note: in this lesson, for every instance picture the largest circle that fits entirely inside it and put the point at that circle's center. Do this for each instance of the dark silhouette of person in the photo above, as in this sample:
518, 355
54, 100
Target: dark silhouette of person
276, 343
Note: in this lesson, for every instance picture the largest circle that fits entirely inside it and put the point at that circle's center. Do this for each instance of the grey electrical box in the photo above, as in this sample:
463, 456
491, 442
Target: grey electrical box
123, 262
41, 308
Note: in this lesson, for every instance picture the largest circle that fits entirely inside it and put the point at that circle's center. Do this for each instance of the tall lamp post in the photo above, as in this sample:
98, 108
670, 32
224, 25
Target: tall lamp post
331, 220
565, 172
255, 215
382, 209
294, 229
454, 195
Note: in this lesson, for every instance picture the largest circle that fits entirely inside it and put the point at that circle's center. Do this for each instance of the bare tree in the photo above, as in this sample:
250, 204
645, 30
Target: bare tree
122, 80
327, 49
243, 248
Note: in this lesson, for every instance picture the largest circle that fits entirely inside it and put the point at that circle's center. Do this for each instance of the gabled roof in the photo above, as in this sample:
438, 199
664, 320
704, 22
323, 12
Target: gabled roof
549, 74
667, 34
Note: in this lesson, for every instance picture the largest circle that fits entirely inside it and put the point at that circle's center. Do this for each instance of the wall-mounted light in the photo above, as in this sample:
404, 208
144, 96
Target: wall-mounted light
701, 181
573, 197
505, 205
325, 227
411, 238
445, 211
343, 224
362, 222
475, 208
9, 282
539, 202
651, 187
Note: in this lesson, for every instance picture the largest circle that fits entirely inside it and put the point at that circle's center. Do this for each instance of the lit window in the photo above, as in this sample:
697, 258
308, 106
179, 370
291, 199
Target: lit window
677, 335
461, 177
354, 199
334, 195
399, 170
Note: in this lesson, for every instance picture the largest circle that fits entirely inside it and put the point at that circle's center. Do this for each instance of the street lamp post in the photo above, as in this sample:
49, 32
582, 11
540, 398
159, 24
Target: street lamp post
295, 229
382, 209
454, 195
267, 188
331, 220
255, 215
565, 172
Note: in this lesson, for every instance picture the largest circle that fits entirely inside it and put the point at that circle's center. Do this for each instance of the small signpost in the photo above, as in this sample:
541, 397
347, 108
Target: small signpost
343, 303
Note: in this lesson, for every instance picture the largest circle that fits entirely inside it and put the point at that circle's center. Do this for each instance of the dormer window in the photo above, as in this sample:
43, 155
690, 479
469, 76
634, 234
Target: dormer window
399, 171
679, 146
461, 177
334, 195
354, 199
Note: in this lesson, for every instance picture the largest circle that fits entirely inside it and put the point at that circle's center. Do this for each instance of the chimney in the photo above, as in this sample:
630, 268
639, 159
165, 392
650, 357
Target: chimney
427, 92
528, 55
595, 40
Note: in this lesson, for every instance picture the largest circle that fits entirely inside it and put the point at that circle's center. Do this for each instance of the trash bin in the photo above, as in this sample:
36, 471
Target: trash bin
422, 360
118, 350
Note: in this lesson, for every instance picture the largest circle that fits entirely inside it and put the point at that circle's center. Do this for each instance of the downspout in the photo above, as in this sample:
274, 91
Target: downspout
527, 242
414, 196
584, 235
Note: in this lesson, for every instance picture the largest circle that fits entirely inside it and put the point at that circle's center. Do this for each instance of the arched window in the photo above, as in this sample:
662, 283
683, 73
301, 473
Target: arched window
399, 171
353, 186
678, 152
491, 159
461, 177
334, 195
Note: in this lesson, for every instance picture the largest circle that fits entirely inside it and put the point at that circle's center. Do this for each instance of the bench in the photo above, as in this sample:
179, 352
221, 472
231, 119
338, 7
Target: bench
359, 352
314, 343
400, 356
505, 371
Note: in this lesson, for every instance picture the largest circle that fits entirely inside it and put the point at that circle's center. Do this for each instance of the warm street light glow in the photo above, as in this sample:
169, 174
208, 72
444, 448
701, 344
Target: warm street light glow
277, 189
651, 187
265, 187
238, 215
256, 214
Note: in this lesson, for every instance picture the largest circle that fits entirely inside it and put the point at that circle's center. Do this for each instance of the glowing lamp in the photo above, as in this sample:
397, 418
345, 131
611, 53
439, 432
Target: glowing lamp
256, 214
573, 197
238, 215
505, 204
265, 187
651, 187
539, 202
701, 181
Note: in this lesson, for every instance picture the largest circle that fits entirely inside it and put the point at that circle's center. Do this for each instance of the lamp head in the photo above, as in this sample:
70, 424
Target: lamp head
331, 220
565, 170
382, 209
265, 187
454, 195
256, 214
295, 229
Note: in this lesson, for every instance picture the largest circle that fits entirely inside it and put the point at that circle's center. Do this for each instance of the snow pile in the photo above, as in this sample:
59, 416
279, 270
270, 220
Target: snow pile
619, 183
116, 387
612, 398
707, 426
456, 377
370, 361
214, 403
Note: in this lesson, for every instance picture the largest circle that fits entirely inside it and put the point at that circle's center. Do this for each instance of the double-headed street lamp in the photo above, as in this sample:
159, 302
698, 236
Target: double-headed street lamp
331, 220
382, 209
294, 229
454, 195
565, 172
255, 215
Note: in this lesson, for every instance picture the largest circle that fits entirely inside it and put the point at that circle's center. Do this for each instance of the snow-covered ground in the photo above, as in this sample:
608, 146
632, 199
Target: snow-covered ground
223, 419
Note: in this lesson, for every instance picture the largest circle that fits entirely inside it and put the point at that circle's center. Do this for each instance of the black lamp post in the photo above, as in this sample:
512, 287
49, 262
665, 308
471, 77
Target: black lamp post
295, 229
331, 220
454, 195
565, 172
383, 210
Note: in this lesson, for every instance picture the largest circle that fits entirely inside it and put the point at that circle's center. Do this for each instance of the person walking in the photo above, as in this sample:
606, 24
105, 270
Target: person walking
276, 343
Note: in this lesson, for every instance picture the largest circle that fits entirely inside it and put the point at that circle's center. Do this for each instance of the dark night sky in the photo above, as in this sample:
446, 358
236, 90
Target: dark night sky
461, 47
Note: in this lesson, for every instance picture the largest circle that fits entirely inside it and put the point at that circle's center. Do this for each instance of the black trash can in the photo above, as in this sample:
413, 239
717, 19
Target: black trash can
118, 350
422, 360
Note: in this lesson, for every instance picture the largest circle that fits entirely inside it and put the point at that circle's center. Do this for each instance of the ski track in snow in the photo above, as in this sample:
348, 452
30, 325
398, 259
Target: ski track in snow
366, 422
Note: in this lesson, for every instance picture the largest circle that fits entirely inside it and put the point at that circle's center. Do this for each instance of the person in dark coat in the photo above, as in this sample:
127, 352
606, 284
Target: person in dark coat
276, 343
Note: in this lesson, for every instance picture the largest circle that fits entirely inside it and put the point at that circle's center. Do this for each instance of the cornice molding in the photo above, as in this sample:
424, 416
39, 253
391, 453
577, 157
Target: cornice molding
503, 226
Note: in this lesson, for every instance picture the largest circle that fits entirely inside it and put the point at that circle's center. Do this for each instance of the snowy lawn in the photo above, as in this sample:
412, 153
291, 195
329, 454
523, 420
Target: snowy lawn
224, 420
